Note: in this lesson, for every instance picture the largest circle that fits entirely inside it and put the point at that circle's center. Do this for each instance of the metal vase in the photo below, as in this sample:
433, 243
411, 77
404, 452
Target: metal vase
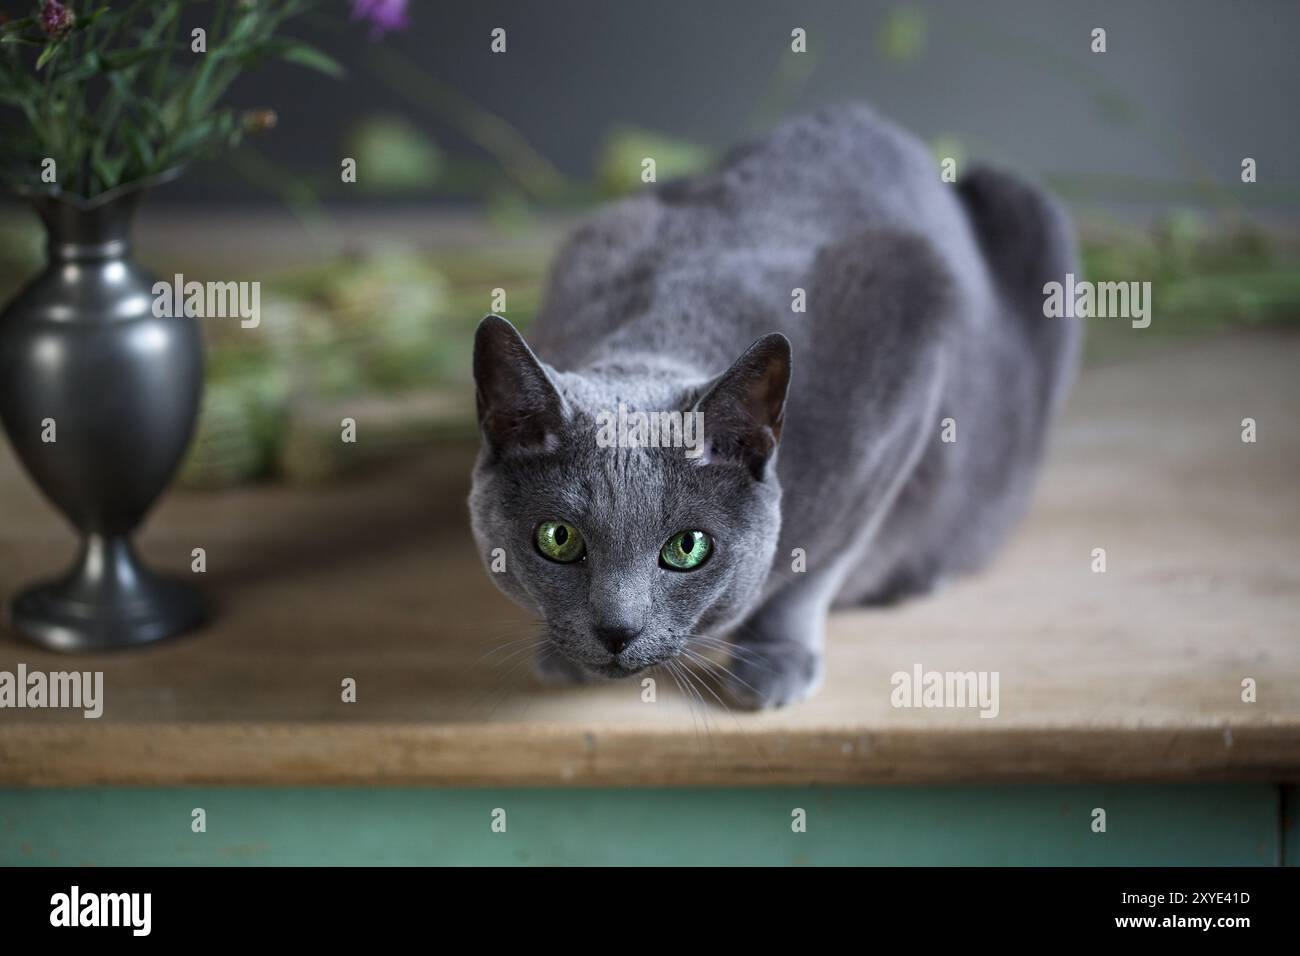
99, 398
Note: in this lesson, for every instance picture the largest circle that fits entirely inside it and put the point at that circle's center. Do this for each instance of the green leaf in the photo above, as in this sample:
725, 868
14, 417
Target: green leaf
140, 146
619, 161
902, 36
109, 170
193, 137
396, 154
13, 26
48, 54
86, 22
313, 59
121, 59
90, 66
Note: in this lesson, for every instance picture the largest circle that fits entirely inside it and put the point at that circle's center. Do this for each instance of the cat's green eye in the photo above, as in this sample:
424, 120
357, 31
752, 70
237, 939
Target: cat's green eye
560, 541
686, 550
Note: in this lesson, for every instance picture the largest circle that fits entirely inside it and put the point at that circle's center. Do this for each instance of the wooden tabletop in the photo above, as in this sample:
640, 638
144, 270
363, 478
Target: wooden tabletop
1131, 674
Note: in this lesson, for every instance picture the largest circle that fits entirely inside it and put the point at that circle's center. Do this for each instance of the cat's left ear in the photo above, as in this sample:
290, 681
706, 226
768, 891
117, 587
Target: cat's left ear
745, 407
519, 407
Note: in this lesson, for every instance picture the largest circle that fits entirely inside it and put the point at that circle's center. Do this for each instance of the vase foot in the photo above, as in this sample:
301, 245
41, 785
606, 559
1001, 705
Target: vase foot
109, 600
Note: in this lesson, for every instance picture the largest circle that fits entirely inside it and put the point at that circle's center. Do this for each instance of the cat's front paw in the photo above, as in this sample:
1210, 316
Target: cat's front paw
774, 675
553, 668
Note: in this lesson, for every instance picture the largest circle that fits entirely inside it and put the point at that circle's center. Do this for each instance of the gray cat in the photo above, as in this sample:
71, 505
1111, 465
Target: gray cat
828, 304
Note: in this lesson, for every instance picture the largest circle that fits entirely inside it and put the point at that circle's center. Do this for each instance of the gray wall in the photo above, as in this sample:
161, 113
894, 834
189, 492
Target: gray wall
1186, 89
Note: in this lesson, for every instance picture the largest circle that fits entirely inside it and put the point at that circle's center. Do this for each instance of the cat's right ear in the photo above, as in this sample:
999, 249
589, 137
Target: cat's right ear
744, 408
519, 407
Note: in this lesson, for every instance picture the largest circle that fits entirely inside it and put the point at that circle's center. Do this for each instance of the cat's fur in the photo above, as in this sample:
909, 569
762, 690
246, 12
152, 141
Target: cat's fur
924, 302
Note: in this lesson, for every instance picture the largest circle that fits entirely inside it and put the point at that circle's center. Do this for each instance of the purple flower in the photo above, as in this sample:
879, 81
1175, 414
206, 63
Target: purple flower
56, 19
383, 15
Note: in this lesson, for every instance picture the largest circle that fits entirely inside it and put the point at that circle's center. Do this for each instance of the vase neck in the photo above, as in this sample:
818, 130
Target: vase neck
79, 234
87, 252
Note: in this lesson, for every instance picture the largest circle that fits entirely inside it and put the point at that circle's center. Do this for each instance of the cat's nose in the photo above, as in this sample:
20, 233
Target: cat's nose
616, 637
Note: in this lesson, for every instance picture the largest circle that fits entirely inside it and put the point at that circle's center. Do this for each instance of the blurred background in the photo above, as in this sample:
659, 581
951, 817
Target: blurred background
471, 164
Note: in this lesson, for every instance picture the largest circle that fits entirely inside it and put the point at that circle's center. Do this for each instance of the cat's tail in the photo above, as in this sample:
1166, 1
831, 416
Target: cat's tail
1027, 240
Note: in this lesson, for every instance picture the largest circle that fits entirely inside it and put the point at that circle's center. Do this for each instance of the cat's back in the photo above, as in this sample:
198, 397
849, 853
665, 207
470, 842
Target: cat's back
737, 239
813, 179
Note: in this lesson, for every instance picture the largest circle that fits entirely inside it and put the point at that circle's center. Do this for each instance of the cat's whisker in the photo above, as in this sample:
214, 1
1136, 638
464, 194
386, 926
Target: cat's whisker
502, 678
691, 682
518, 651
735, 650
504, 648
708, 665
501, 647
724, 673
667, 668
749, 738
718, 668
677, 671
501, 623
503, 685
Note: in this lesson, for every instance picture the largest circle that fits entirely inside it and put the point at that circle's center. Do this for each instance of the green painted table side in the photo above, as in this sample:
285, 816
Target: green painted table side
1229, 824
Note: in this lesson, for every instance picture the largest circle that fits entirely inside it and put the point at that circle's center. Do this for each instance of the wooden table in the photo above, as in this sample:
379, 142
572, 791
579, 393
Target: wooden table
1132, 675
